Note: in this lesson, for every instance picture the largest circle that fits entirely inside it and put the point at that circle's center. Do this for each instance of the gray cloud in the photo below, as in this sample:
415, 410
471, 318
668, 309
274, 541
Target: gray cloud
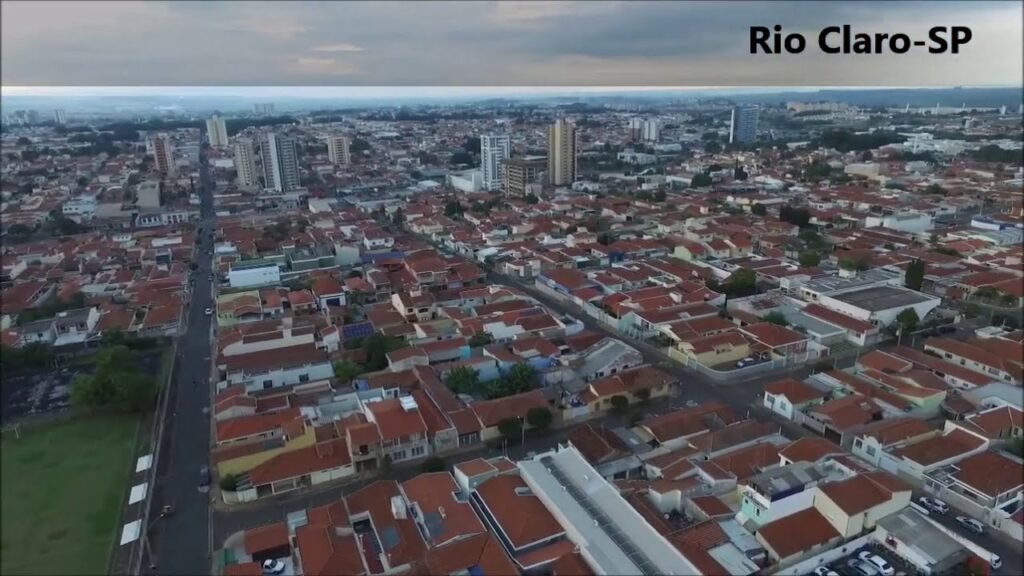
89, 43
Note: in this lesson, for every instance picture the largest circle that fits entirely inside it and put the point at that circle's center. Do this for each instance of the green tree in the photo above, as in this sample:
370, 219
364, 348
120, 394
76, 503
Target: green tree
346, 371
359, 145
531, 198
433, 464
619, 403
463, 380
758, 209
935, 189
914, 276
643, 394
453, 209
115, 384
743, 282
776, 317
712, 147
539, 418
659, 196
461, 157
809, 259
521, 377
986, 293
511, 429
229, 482
797, 216
1008, 300
907, 321
701, 180
480, 339
377, 347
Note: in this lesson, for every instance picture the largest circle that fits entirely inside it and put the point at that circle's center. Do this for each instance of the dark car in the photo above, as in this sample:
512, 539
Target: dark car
204, 479
947, 329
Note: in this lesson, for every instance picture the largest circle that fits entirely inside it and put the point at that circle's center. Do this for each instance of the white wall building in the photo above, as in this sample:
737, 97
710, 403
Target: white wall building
245, 163
910, 222
264, 274
280, 158
338, 150
494, 149
217, 131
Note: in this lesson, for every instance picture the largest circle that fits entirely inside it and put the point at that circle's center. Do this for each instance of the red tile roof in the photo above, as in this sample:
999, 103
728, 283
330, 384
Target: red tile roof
794, 390
797, 533
517, 512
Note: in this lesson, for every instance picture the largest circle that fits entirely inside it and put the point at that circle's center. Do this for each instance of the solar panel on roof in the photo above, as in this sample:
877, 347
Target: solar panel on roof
360, 330
435, 524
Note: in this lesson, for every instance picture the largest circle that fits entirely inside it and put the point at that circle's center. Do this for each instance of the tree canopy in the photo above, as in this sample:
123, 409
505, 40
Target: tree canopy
914, 276
116, 384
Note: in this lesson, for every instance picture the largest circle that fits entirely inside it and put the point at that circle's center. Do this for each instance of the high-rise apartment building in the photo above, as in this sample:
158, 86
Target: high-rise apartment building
562, 148
280, 158
263, 109
59, 117
338, 150
743, 124
217, 131
163, 153
245, 163
651, 130
636, 125
494, 150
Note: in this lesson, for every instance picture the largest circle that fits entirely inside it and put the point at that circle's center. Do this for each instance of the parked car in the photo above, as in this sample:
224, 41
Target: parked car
884, 567
208, 311
971, 524
947, 329
862, 568
825, 571
273, 566
933, 504
744, 362
204, 479
995, 562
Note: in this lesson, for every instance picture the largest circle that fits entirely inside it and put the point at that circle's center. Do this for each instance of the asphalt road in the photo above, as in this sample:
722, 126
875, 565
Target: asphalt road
1001, 544
180, 544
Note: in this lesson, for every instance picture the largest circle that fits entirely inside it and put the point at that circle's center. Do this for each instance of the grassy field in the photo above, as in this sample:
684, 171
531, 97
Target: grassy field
62, 485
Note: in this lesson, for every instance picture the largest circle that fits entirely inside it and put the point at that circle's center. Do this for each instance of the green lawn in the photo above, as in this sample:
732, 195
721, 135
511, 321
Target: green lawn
62, 489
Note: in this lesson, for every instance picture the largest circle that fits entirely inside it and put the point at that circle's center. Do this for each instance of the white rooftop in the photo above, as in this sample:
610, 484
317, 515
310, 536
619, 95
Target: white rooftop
612, 536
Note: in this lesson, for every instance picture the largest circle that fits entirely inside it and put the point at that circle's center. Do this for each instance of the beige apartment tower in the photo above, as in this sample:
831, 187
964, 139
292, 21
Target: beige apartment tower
562, 148
338, 150
245, 164
163, 153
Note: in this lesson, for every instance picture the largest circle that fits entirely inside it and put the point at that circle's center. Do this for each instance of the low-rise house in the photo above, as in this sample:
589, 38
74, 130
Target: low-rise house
855, 505
635, 385
842, 418
673, 429
999, 361
286, 366
788, 396
403, 432
491, 412
875, 442
797, 536
920, 458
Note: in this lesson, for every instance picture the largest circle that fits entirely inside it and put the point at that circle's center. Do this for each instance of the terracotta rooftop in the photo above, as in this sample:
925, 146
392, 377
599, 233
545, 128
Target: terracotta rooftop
794, 390
516, 511
990, 473
797, 533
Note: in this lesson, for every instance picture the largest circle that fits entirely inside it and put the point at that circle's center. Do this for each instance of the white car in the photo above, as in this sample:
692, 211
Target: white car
995, 562
273, 566
208, 311
933, 504
825, 571
884, 567
971, 524
861, 568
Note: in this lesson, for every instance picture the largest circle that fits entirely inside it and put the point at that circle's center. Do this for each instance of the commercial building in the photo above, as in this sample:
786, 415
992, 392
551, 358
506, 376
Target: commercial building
245, 163
562, 151
280, 158
254, 273
217, 131
743, 124
163, 153
338, 150
522, 174
147, 195
494, 149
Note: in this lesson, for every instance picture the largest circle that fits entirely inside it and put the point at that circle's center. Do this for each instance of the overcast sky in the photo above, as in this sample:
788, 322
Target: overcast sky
578, 43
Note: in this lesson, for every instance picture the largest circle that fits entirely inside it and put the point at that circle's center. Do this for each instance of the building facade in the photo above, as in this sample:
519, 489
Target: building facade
562, 152
338, 150
494, 150
743, 124
217, 131
280, 158
245, 163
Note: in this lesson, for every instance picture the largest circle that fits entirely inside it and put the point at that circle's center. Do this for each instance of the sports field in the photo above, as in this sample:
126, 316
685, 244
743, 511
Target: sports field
62, 489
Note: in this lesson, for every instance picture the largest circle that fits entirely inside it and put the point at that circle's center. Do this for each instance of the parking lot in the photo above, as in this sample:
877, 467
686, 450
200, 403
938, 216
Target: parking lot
843, 566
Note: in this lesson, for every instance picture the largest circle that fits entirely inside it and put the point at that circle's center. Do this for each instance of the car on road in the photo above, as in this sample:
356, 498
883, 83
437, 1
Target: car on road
861, 568
271, 566
204, 479
971, 524
884, 567
825, 571
208, 311
995, 562
933, 504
